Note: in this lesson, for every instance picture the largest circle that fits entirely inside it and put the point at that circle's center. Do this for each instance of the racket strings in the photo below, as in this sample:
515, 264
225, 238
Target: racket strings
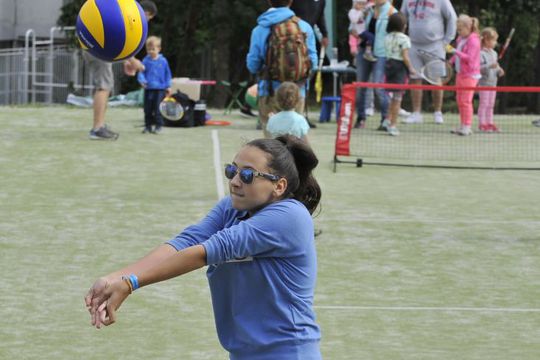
437, 72
170, 109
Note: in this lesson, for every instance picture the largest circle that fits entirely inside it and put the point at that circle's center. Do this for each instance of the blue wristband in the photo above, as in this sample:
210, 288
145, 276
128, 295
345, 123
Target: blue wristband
134, 281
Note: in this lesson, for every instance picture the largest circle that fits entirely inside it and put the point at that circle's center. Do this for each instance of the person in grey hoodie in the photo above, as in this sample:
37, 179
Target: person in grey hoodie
432, 26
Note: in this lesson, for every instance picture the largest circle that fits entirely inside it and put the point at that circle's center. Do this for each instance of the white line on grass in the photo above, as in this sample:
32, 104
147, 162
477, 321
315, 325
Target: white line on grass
441, 221
217, 165
427, 308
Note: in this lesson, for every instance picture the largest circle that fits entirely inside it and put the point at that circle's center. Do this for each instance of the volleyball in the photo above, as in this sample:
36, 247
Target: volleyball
112, 30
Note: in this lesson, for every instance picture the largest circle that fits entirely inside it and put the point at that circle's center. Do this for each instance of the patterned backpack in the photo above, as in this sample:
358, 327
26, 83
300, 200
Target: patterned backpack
287, 55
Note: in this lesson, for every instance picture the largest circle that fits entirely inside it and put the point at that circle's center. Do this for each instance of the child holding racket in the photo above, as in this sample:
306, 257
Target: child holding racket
467, 62
398, 64
491, 71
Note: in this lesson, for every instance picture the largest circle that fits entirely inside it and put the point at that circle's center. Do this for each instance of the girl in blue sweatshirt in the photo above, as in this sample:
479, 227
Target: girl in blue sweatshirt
259, 247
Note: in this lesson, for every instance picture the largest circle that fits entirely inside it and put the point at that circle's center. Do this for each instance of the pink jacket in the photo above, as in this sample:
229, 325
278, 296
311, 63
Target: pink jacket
469, 56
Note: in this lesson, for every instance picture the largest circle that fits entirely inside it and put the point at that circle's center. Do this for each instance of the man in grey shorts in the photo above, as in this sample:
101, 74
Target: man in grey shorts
103, 80
432, 26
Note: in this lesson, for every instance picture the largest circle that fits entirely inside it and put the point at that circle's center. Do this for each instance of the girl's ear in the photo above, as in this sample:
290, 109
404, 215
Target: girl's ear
280, 187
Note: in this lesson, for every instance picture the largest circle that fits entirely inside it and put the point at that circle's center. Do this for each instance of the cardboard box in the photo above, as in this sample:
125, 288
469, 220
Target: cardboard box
187, 86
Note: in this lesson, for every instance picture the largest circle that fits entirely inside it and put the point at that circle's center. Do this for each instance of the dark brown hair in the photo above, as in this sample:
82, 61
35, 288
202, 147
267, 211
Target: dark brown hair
396, 23
280, 3
294, 160
149, 6
287, 95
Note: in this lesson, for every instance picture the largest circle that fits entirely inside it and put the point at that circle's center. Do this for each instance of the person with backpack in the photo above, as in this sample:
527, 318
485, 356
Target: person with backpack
282, 49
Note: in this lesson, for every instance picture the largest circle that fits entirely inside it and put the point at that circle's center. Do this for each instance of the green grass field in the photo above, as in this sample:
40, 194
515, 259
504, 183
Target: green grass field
413, 263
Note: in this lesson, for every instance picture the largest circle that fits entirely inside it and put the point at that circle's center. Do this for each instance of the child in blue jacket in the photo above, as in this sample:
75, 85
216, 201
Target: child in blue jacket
156, 81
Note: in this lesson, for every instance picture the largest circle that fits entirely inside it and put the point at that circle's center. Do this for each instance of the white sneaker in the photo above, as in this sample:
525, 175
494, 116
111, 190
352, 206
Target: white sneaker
404, 113
462, 131
414, 118
370, 111
393, 131
438, 117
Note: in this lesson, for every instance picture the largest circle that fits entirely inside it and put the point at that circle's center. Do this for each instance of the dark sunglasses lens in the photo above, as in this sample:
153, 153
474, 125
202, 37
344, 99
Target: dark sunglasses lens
246, 176
230, 171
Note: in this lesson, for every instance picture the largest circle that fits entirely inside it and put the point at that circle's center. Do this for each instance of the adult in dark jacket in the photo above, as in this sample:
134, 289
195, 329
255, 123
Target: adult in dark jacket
312, 12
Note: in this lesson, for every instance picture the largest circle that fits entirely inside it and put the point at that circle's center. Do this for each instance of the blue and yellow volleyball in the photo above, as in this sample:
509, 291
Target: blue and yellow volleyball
112, 30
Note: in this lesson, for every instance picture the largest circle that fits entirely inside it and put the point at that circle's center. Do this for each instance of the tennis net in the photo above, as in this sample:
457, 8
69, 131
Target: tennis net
516, 146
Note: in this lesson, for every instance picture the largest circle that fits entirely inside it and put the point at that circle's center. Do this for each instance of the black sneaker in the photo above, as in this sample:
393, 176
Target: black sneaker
247, 111
360, 124
385, 124
311, 125
111, 133
103, 133
146, 131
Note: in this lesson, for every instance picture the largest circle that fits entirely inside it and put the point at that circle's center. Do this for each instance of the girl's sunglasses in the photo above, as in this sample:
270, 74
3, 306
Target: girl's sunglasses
247, 175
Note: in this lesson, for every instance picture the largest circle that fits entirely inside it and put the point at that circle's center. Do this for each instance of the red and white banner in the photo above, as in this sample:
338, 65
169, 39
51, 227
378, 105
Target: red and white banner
345, 120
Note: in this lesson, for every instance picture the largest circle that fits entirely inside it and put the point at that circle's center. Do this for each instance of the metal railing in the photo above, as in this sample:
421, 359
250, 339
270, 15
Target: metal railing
44, 71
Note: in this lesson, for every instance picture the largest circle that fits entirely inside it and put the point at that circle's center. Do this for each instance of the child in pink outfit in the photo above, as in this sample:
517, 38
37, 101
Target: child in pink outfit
357, 26
491, 71
467, 62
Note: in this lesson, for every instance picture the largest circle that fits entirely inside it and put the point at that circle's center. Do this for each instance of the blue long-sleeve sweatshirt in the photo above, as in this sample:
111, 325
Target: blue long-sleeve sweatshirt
156, 74
262, 272
258, 45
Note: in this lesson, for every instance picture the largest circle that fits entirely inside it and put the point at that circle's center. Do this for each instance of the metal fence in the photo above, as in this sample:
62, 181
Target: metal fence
11, 76
43, 72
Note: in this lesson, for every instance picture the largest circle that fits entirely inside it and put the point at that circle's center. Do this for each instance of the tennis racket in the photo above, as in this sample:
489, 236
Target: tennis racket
318, 79
171, 109
437, 70
507, 43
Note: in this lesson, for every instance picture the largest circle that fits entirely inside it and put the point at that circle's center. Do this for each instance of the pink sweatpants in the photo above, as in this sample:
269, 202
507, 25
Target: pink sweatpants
486, 106
353, 43
464, 99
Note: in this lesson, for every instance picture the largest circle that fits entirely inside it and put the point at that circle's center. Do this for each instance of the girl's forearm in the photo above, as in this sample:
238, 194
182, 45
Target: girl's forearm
182, 262
461, 55
407, 59
150, 260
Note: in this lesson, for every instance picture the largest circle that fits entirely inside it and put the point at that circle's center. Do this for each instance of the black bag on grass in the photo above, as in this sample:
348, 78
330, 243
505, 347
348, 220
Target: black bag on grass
188, 106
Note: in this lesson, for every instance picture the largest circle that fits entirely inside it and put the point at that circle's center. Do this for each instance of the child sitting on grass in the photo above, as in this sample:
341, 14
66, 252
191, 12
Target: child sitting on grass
288, 121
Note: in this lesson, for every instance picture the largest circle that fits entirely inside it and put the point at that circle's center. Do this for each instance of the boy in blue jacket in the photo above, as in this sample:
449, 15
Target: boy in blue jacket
280, 11
156, 81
